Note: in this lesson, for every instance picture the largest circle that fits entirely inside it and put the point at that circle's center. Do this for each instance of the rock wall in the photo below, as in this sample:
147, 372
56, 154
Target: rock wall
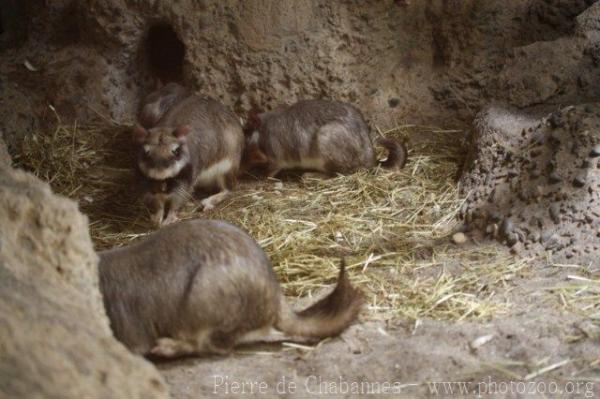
558, 72
433, 61
535, 182
55, 340
533, 175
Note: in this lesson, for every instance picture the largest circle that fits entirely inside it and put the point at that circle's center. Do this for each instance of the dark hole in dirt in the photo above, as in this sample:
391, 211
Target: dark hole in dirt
14, 23
165, 53
68, 30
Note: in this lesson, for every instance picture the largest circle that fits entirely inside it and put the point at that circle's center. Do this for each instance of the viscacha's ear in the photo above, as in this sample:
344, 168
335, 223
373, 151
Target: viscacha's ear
182, 131
139, 134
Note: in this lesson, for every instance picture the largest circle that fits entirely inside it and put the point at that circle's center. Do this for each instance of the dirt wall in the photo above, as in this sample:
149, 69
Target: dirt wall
55, 339
435, 61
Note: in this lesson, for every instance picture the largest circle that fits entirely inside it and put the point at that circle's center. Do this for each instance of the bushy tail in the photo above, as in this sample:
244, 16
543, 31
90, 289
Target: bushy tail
397, 153
325, 318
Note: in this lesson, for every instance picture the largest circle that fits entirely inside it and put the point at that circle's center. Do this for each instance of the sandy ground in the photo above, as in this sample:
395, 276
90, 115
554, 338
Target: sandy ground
503, 331
544, 346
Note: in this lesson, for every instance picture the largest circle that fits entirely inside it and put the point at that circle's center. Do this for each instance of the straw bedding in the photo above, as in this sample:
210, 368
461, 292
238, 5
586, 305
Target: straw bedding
392, 227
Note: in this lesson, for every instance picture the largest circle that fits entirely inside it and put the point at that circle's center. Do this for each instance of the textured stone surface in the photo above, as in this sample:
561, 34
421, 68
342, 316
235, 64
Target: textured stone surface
537, 180
430, 61
17, 114
55, 340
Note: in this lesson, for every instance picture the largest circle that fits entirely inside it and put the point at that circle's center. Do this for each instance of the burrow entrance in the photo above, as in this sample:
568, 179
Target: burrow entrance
165, 53
14, 22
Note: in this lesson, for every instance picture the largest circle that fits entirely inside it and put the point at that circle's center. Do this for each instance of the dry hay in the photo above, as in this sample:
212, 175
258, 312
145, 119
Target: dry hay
580, 293
392, 227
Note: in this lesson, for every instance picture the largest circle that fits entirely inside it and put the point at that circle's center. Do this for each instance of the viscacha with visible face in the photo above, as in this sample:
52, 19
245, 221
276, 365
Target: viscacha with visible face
198, 143
315, 135
204, 286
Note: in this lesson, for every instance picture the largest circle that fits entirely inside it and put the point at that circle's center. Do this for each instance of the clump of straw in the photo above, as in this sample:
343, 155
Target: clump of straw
391, 226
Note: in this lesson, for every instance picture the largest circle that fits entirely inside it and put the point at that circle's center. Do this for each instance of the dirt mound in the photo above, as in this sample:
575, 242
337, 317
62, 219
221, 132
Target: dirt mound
535, 183
55, 339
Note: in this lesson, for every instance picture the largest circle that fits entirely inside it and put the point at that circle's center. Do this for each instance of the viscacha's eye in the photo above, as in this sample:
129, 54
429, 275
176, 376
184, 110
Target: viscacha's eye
176, 151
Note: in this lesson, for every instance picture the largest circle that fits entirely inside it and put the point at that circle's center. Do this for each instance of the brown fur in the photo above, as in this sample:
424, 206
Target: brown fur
191, 139
252, 122
204, 286
327, 317
157, 104
397, 153
325, 136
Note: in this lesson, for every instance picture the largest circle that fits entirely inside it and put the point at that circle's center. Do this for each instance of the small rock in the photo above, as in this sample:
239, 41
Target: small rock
585, 164
546, 235
580, 179
480, 341
595, 151
516, 249
534, 236
512, 239
552, 242
278, 185
554, 177
507, 227
459, 238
